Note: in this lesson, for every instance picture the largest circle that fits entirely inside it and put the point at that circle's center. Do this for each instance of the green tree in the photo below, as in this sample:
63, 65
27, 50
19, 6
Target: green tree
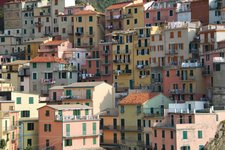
28, 147
2, 143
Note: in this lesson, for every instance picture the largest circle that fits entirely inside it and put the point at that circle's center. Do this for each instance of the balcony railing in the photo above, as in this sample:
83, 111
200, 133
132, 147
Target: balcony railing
104, 73
38, 24
143, 67
75, 118
172, 52
74, 97
165, 18
131, 128
118, 61
190, 78
128, 71
110, 127
157, 80
48, 81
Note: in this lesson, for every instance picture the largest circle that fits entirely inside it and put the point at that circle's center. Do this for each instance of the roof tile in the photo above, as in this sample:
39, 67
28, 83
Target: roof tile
118, 5
137, 98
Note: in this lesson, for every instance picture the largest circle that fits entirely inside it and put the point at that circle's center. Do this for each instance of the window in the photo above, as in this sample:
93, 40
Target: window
47, 143
200, 134
25, 113
79, 19
179, 34
86, 112
34, 65
90, 18
172, 147
168, 73
139, 109
48, 65
47, 127
128, 21
94, 127
89, 64
31, 100
217, 67
135, 10
155, 133
147, 15
76, 112
47, 113
34, 76
121, 109
2, 39
171, 134
30, 126
171, 12
139, 137
68, 142
68, 93
171, 35
94, 141
191, 73
185, 135
29, 142
163, 133
84, 128
18, 100
135, 21
88, 94
84, 141
201, 147
56, 2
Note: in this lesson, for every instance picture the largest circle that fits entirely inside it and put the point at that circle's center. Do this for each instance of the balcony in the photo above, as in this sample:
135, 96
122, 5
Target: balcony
110, 127
128, 15
172, 52
131, 128
105, 63
89, 34
190, 64
78, 97
24, 72
181, 91
160, 19
144, 35
206, 72
110, 27
140, 67
104, 73
38, 24
114, 17
128, 71
117, 61
122, 52
218, 59
75, 118
190, 78
106, 52
79, 34
157, 80
48, 81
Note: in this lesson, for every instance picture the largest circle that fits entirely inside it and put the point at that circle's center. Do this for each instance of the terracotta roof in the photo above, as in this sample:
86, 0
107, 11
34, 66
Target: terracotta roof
39, 59
118, 5
56, 42
137, 98
136, 5
86, 12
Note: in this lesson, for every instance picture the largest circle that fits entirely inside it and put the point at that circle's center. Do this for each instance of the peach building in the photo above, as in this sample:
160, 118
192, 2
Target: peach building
185, 127
68, 127
110, 137
9, 125
98, 95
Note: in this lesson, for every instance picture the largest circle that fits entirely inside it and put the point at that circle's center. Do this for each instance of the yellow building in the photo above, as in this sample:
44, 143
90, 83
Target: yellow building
10, 72
131, 58
88, 28
110, 137
134, 16
132, 110
27, 104
32, 47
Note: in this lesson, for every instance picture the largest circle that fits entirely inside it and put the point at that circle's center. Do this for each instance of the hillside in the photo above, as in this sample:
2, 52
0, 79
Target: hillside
100, 5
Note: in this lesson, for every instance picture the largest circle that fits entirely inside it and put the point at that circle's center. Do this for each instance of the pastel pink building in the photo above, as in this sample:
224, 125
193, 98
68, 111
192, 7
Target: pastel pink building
52, 48
211, 41
68, 127
160, 12
184, 82
185, 127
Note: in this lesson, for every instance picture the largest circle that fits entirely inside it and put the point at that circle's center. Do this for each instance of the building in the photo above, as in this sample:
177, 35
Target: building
56, 124
131, 115
183, 11
27, 105
47, 72
160, 12
32, 47
11, 73
9, 125
110, 137
211, 43
98, 95
185, 126
184, 82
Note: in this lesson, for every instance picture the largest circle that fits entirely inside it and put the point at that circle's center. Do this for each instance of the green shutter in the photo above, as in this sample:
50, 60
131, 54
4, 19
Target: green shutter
199, 134
31, 100
84, 141
68, 93
94, 127
48, 65
67, 129
60, 112
84, 128
13, 135
13, 120
34, 65
94, 141
87, 104
18, 100
76, 112
185, 135
34, 76
88, 94
86, 112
